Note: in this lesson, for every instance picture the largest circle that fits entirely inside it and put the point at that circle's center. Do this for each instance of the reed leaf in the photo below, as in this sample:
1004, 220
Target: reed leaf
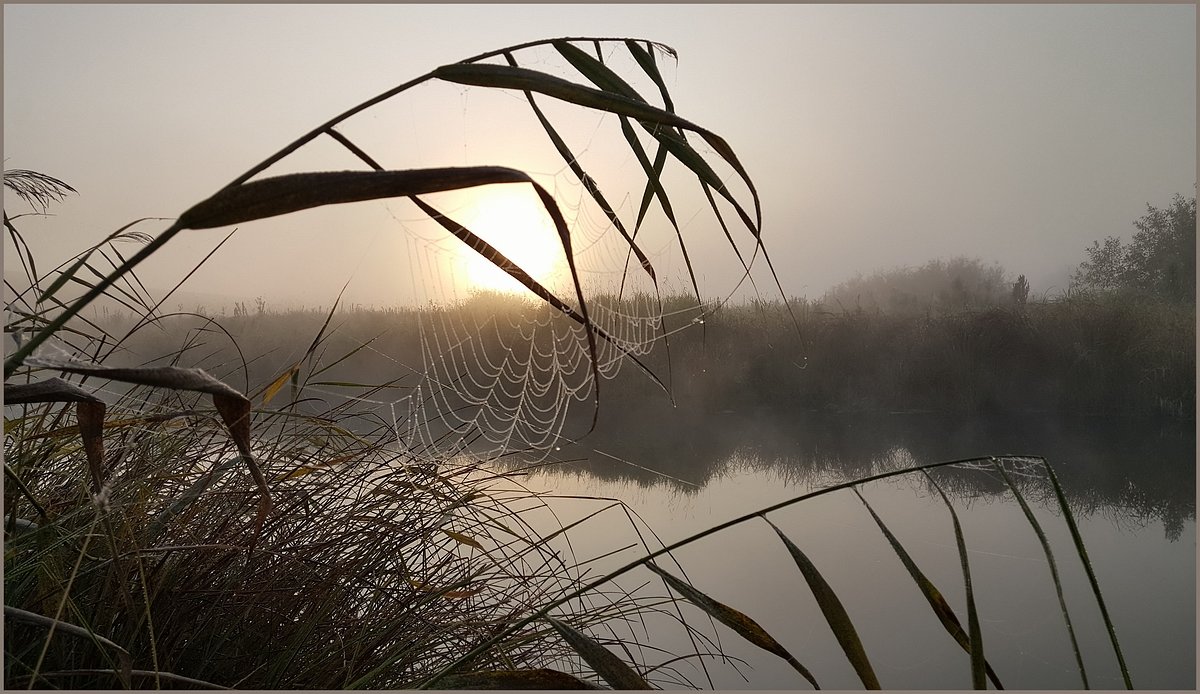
589, 184
741, 623
463, 539
89, 412
978, 662
1041, 535
49, 390
270, 197
937, 602
645, 58
1081, 550
275, 386
597, 72
232, 406
606, 664
835, 613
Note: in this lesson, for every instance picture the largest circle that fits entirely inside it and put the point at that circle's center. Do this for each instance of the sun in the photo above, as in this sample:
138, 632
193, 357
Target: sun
511, 218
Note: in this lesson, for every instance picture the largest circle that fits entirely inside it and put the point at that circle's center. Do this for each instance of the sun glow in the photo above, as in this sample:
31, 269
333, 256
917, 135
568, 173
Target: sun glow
512, 219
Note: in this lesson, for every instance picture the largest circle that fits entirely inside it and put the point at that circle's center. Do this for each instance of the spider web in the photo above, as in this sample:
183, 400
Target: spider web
503, 373
507, 373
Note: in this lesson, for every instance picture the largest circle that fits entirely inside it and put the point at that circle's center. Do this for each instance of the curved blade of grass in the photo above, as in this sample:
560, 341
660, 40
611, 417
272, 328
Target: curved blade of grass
587, 181
304, 470
1037, 529
463, 539
126, 660
11, 474
1087, 567
49, 390
275, 386
508, 77
834, 611
277, 195
233, 407
645, 58
67, 274
514, 679
25, 255
89, 412
745, 627
158, 674
937, 602
978, 673
606, 663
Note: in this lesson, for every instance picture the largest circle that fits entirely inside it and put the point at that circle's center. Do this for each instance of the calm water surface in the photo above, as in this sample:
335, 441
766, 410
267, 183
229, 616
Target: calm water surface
1131, 486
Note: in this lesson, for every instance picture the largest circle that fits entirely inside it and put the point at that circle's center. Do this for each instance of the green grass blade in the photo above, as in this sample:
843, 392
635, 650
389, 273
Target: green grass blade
834, 611
937, 602
1037, 529
603, 661
745, 627
978, 673
1091, 574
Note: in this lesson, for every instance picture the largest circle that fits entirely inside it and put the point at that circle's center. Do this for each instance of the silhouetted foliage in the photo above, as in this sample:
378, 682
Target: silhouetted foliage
1160, 261
1020, 291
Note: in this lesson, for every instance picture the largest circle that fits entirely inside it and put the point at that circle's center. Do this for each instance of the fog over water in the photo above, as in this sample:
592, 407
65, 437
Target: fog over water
879, 136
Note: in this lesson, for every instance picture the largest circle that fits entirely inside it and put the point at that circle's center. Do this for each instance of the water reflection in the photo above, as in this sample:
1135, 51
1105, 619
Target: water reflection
1129, 471
1145, 566
1131, 486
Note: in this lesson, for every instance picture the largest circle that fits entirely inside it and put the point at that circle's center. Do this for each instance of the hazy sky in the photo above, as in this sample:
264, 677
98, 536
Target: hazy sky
879, 136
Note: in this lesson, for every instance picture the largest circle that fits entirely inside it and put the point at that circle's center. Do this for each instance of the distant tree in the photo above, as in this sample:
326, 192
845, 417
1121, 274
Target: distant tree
1020, 291
1159, 261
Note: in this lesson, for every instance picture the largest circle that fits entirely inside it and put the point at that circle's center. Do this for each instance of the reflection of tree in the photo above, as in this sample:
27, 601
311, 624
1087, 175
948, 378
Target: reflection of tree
1132, 471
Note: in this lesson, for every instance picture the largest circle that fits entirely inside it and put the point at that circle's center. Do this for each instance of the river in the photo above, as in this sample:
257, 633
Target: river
1130, 485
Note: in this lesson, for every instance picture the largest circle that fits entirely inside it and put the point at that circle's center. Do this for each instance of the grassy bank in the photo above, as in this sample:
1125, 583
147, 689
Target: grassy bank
1101, 355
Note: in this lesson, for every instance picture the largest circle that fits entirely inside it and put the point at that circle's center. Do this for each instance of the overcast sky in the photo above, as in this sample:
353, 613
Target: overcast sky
879, 136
